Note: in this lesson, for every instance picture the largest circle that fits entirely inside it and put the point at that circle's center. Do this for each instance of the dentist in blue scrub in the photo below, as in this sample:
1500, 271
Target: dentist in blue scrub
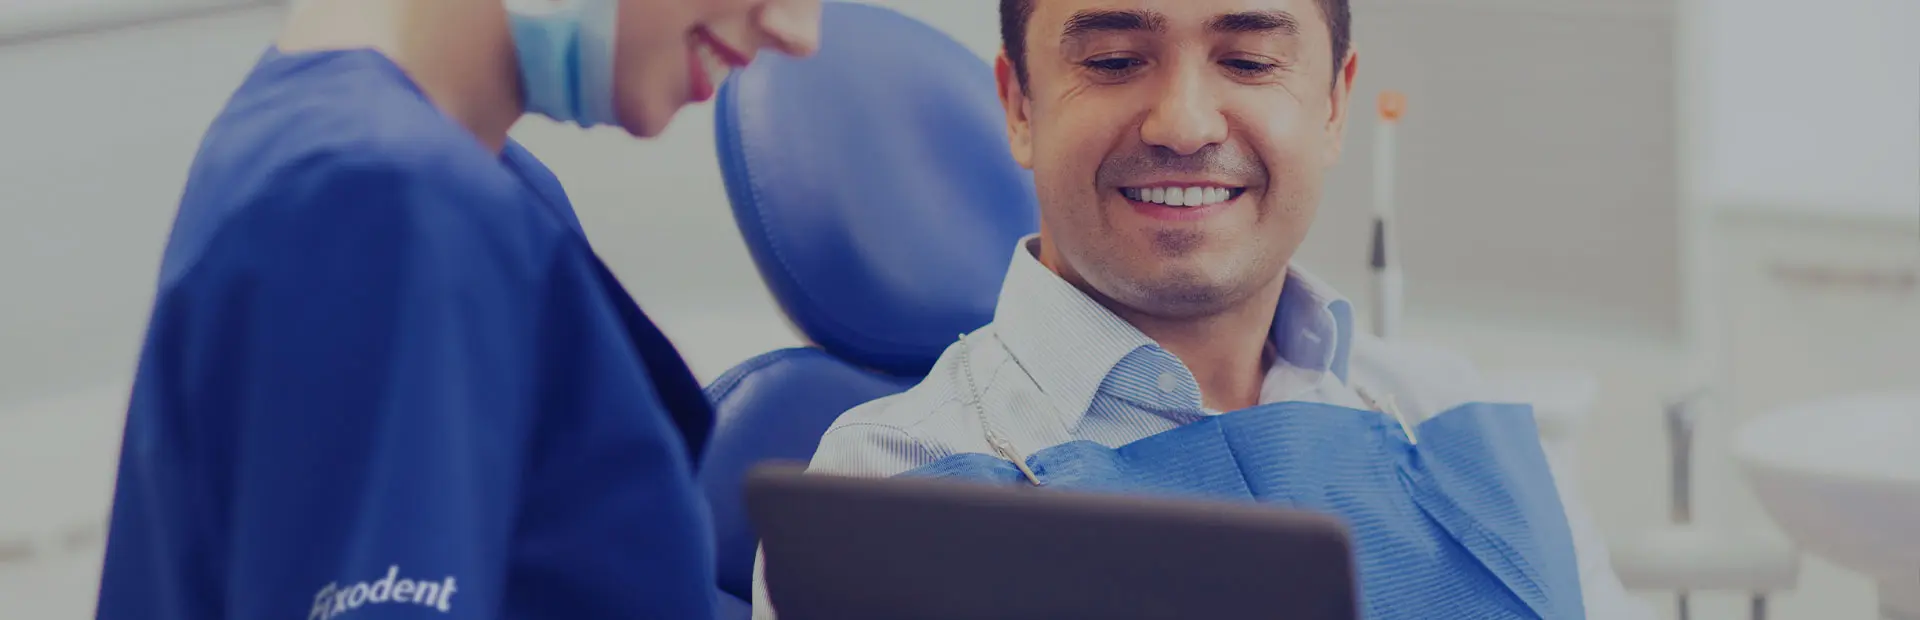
385, 374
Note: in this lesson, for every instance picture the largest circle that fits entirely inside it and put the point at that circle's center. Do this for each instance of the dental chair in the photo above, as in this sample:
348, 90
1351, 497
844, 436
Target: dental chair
874, 189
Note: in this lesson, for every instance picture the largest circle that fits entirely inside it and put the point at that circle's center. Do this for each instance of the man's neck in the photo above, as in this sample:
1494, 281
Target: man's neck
459, 53
1225, 351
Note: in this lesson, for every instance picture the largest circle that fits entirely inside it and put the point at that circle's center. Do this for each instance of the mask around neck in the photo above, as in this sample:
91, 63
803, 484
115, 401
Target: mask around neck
566, 58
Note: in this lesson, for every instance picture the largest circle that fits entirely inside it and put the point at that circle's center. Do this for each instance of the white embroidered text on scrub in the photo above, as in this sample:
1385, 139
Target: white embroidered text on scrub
335, 599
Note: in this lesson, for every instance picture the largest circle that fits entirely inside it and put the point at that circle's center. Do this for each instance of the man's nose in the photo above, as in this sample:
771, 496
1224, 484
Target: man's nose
1186, 116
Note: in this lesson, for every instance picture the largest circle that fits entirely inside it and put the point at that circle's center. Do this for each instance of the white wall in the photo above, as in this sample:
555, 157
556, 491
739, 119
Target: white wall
97, 133
1809, 106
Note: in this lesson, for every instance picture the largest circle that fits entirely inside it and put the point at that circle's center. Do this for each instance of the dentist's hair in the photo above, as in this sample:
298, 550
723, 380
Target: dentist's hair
1015, 13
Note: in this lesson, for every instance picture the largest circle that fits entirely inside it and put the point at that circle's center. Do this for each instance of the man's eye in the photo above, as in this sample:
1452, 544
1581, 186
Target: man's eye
1249, 67
1113, 66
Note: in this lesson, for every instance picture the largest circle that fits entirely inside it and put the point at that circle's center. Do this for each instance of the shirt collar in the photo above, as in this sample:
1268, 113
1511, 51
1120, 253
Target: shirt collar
1069, 344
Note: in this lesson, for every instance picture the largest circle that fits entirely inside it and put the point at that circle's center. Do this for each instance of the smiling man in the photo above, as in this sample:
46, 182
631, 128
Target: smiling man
1153, 336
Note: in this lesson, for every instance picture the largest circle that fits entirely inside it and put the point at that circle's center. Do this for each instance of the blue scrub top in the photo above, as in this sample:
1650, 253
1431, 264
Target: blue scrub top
386, 377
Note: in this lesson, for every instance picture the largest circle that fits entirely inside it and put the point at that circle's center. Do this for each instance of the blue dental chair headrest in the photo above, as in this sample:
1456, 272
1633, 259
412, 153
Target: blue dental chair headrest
874, 187
875, 191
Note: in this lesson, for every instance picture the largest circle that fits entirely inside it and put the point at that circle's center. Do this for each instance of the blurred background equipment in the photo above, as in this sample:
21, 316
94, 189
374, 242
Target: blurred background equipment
1686, 556
1383, 258
1841, 475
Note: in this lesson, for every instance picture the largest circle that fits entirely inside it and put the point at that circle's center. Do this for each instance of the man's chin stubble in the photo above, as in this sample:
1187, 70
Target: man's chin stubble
1175, 244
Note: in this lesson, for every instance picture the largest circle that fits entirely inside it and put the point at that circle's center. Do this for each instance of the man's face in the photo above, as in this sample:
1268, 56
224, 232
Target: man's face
1178, 146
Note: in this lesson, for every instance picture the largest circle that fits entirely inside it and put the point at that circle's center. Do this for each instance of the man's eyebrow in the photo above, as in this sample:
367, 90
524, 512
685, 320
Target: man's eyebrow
1090, 21
1278, 22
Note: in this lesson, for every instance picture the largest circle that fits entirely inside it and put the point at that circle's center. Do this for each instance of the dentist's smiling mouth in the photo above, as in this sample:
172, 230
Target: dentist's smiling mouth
711, 62
723, 52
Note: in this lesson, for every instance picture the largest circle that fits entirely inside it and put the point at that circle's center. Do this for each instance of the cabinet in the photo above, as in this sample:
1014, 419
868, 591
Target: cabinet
1808, 306
1814, 307
1805, 306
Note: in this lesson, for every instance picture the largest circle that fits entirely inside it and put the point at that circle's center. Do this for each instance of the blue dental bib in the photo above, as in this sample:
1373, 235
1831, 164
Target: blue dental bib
1465, 522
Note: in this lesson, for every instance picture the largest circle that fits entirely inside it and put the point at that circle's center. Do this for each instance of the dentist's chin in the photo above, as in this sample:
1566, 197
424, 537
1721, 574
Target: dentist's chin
700, 85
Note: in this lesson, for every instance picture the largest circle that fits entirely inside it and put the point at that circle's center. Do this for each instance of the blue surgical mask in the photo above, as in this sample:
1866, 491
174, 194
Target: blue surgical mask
566, 60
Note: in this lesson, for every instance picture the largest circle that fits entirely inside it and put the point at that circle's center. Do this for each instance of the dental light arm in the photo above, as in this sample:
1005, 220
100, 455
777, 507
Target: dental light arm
1384, 261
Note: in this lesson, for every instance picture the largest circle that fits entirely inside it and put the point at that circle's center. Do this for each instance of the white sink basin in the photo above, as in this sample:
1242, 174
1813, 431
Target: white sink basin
1842, 478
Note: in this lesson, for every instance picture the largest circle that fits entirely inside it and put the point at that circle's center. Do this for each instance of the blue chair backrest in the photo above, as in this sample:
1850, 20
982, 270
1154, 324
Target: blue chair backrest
874, 188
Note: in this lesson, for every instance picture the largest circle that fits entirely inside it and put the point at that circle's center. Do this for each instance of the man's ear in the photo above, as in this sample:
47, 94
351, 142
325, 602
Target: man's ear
1340, 96
1013, 97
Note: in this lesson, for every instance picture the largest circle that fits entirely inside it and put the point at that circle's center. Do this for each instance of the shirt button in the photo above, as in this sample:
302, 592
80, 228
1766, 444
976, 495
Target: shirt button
1168, 382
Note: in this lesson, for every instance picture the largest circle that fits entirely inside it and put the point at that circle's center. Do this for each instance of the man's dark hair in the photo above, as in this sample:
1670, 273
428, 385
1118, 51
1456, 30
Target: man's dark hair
1015, 13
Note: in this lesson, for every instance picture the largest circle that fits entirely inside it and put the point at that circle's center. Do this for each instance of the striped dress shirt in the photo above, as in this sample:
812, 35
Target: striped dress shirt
1055, 366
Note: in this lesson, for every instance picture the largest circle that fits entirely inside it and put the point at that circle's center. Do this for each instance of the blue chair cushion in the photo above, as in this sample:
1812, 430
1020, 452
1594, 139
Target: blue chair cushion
874, 189
774, 407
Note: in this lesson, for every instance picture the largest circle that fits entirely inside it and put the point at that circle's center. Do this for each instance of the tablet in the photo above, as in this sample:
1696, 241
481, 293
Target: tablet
924, 549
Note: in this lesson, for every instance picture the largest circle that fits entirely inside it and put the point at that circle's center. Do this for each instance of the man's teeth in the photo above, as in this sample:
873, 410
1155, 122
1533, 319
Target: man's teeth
1180, 196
